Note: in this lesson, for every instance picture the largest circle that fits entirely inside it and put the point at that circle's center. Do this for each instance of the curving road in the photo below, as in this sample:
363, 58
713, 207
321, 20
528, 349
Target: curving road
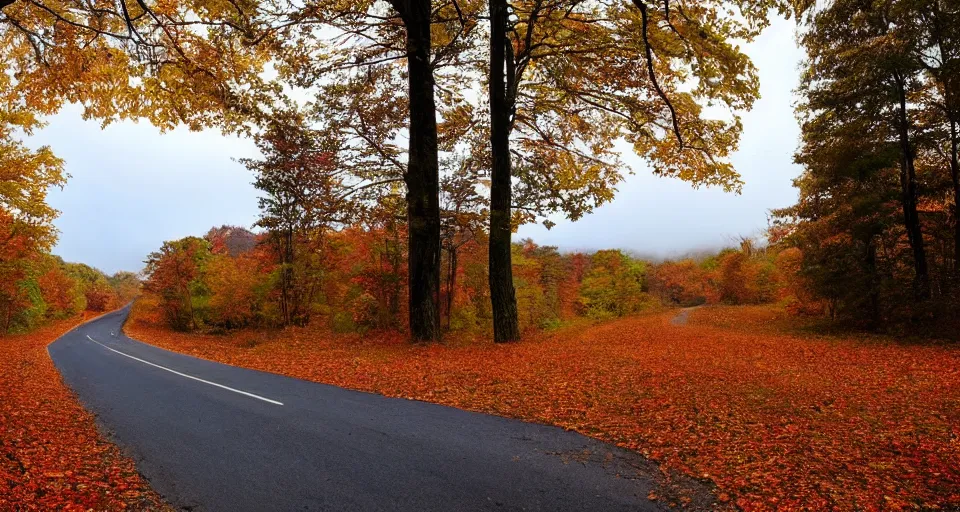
210, 436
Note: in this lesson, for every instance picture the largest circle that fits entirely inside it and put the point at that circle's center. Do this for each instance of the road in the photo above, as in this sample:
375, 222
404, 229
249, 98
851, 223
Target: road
212, 437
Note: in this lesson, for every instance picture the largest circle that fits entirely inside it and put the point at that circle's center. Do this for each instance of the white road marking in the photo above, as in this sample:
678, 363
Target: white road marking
198, 379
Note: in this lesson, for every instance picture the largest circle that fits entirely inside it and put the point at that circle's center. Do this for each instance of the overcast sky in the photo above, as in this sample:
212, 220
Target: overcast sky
131, 188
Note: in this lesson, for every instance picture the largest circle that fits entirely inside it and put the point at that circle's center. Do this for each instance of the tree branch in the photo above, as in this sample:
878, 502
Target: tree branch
653, 75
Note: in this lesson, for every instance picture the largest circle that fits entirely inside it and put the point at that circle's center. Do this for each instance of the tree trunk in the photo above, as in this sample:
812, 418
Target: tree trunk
908, 187
502, 293
422, 177
193, 317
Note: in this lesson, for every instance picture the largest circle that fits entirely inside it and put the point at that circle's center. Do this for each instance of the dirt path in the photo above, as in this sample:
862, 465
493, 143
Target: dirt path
683, 316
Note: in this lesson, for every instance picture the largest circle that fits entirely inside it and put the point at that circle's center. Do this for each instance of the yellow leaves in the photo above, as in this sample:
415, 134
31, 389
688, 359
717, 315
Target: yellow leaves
25, 178
179, 63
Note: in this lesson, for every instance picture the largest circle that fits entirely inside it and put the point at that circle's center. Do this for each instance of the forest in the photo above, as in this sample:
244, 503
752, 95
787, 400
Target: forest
422, 158
354, 280
401, 145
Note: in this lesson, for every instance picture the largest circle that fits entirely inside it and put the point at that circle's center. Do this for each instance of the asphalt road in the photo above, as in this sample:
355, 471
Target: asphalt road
210, 436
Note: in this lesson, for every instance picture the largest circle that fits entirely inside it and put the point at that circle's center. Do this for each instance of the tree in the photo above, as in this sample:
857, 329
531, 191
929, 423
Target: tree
861, 71
93, 284
423, 174
848, 206
61, 293
462, 222
25, 178
370, 39
681, 283
614, 285
172, 63
236, 289
934, 29
126, 286
506, 326
302, 197
175, 274
878, 106
406, 32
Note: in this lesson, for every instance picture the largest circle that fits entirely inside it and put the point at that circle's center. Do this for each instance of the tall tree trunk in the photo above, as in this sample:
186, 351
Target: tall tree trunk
422, 177
502, 293
908, 188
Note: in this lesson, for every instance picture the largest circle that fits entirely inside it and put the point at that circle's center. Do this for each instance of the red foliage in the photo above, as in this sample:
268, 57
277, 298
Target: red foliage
58, 290
569, 287
100, 297
51, 455
233, 282
796, 290
682, 283
776, 421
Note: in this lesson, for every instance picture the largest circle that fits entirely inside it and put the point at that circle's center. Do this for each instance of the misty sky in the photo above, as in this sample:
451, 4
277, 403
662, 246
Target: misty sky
131, 188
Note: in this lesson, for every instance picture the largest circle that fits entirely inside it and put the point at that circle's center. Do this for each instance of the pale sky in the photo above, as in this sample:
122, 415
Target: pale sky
131, 187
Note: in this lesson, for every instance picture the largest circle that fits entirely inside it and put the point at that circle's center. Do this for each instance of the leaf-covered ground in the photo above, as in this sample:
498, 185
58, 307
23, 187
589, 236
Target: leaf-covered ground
777, 421
51, 455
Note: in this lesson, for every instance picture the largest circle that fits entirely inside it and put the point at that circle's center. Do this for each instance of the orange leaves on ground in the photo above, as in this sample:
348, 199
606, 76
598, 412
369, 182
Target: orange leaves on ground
51, 455
776, 421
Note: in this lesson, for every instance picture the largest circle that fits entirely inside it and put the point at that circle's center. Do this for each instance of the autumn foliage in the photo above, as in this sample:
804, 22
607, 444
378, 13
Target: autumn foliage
777, 421
748, 275
51, 455
354, 280
38, 288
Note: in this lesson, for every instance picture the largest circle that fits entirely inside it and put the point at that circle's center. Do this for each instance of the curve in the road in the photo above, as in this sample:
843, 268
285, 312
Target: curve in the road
212, 437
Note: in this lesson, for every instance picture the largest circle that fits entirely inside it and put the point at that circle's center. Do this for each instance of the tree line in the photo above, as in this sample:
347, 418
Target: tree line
354, 280
36, 286
877, 219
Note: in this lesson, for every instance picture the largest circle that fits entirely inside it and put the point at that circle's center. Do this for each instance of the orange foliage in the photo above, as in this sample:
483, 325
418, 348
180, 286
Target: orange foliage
58, 289
51, 455
233, 283
796, 290
682, 283
776, 421
100, 297
569, 287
